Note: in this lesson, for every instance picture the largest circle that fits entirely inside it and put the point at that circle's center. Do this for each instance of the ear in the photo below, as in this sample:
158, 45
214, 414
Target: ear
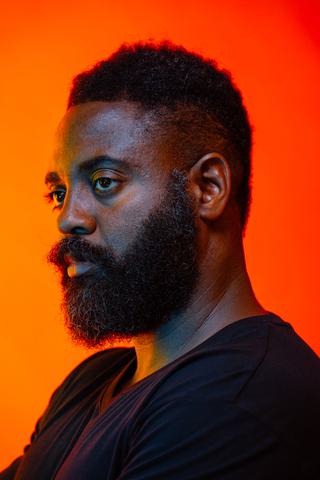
210, 178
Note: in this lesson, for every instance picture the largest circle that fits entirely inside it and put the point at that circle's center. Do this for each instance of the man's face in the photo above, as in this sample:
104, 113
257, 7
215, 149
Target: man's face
128, 256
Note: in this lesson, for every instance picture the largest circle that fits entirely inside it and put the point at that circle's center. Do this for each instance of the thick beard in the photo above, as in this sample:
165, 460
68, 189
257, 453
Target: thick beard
137, 292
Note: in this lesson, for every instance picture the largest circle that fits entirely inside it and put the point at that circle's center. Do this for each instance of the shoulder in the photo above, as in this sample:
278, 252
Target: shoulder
255, 352
260, 365
284, 391
288, 372
254, 389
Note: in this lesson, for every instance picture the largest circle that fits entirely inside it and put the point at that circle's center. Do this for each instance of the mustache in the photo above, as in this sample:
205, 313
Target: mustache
80, 250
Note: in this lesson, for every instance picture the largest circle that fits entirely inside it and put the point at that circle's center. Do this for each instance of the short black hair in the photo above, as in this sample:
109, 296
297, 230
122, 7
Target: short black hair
164, 75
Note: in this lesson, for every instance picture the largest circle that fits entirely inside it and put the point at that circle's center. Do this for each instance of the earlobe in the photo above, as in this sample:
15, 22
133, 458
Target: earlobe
211, 177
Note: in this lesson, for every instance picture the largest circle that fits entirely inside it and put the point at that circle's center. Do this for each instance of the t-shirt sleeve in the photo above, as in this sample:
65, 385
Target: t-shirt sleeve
10, 471
56, 400
196, 439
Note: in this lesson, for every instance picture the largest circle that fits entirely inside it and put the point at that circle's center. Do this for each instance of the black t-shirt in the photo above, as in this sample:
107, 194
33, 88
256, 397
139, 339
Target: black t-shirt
244, 404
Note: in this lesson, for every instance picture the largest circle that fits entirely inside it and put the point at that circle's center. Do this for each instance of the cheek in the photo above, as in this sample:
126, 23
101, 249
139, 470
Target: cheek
120, 224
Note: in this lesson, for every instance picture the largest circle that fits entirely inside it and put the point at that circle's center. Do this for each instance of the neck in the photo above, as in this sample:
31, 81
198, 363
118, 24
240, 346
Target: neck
214, 305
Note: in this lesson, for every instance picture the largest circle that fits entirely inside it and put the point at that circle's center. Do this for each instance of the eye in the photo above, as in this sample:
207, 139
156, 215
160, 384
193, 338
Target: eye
104, 185
55, 197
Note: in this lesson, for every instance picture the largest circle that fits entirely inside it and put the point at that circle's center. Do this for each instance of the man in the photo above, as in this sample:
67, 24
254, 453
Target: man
151, 189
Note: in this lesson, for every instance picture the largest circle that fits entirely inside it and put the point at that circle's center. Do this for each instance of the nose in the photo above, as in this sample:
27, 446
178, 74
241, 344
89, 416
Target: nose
75, 216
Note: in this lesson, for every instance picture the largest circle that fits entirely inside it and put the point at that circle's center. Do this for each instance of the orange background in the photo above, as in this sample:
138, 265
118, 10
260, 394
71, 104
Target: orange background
272, 48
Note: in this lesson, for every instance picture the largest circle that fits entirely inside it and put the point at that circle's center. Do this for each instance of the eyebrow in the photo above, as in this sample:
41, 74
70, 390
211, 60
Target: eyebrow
90, 164
52, 178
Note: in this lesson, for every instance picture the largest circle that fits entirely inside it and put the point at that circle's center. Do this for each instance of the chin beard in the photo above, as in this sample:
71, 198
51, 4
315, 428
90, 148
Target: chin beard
135, 293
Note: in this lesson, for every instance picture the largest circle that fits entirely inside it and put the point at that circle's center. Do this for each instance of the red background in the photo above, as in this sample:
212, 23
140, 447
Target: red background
272, 48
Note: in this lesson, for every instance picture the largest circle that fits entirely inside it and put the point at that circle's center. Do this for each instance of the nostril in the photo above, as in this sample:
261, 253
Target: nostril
79, 231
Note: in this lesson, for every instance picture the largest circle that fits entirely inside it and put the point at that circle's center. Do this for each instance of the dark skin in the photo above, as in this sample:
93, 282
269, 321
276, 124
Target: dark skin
107, 212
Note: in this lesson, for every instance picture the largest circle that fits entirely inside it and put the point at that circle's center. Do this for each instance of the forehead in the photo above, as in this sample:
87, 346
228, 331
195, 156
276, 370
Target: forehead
121, 130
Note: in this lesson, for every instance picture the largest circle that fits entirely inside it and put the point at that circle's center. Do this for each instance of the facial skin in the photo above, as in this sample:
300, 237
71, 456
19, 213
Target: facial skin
140, 276
122, 297
139, 227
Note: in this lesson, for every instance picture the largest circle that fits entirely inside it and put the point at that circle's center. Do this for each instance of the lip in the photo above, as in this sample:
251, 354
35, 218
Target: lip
75, 269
